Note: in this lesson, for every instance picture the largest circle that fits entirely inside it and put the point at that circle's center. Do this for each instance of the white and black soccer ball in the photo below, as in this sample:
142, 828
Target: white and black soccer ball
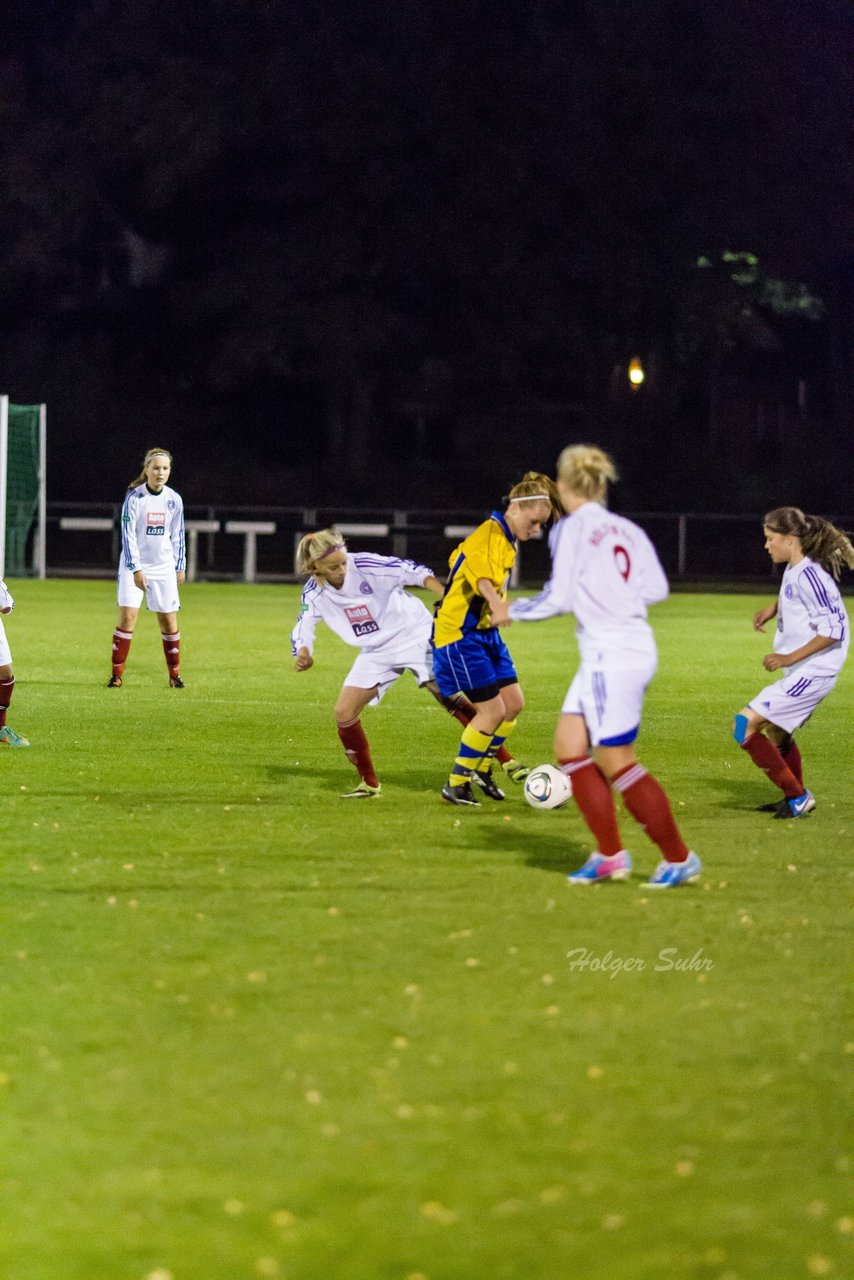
547, 787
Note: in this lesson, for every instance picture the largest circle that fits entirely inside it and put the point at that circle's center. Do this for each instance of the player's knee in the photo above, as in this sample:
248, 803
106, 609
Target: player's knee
740, 728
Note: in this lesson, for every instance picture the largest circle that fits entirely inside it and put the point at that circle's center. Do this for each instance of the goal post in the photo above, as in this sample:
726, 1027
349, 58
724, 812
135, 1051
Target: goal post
23, 488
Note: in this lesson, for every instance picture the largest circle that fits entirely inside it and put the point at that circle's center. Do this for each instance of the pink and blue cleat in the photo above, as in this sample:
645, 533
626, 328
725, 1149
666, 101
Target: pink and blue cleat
598, 867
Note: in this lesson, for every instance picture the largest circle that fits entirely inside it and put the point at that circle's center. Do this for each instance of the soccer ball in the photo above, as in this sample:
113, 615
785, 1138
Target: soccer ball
547, 787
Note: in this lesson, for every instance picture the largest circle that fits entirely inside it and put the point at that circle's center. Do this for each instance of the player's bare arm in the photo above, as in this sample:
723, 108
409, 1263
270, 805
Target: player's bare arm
499, 609
433, 584
774, 661
764, 615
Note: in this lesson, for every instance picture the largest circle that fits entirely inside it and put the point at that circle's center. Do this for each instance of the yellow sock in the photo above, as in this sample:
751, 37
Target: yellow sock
473, 747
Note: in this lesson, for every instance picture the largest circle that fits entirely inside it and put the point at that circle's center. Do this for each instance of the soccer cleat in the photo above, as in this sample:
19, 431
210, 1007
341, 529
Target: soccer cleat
799, 807
114, 682
175, 682
364, 791
487, 784
515, 770
775, 806
667, 875
598, 867
460, 795
9, 738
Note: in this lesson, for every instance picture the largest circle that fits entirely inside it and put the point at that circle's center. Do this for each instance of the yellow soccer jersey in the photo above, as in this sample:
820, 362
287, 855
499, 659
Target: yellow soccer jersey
488, 553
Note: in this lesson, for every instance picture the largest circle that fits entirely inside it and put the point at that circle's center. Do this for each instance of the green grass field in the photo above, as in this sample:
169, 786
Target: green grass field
252, 1030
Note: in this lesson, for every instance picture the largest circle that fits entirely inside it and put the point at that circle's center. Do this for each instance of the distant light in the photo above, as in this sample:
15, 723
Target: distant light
636, 373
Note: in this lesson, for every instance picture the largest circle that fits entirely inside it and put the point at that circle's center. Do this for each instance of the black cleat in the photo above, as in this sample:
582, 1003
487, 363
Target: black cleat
460, 795
175, 682
776, 806
487, 784
114, 682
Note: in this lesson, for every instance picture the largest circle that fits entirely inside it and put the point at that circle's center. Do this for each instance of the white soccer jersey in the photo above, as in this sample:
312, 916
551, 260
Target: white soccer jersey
371, 610
810, 605
153, 531
606, 571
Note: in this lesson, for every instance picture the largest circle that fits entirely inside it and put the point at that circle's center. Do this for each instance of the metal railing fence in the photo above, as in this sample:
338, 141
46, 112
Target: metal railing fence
82, 539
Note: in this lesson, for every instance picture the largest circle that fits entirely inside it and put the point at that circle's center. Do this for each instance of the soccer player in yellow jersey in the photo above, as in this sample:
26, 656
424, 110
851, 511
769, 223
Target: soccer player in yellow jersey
469, 655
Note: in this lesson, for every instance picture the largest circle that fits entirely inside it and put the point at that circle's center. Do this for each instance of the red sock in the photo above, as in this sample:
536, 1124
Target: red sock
593, 797
355, 744
792, 758
646, 801
461, 709
764, 754
172, 653
6, 687
121, 645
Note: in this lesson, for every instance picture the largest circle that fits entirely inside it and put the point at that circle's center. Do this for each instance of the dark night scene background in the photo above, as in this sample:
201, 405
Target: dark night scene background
396, 253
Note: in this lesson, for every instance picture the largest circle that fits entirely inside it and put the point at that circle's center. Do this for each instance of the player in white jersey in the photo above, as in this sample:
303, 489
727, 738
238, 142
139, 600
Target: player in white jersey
152, 563
605, 571
8, 736
810, 648
362, 598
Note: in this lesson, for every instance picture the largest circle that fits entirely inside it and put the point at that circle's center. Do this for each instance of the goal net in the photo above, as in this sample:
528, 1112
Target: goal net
22, 489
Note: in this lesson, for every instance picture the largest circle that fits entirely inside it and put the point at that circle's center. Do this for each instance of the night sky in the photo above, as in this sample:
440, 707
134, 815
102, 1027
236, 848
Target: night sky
396, 253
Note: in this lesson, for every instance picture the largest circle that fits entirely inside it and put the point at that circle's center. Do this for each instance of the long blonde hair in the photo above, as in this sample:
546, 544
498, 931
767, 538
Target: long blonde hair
535, 485
587, 470
819, 539
314, 546
152, 453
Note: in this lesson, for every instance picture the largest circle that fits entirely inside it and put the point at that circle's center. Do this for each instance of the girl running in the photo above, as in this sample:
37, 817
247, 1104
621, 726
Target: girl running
605, 570
362, 598
810, 647
468, 653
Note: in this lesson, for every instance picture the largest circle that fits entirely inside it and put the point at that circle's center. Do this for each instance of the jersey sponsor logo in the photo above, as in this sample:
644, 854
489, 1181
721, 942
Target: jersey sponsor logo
366, 589
155, 524
361, 620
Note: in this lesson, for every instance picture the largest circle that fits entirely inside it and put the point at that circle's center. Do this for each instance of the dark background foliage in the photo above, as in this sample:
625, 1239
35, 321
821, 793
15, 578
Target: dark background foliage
398, 252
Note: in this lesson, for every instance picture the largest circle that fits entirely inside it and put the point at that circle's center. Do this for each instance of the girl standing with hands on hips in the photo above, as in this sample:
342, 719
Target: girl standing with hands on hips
469, 654
810, 647
152, 563
605, 570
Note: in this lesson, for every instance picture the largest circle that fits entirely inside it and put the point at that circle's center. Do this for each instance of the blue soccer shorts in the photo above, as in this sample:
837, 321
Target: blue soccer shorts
478, 665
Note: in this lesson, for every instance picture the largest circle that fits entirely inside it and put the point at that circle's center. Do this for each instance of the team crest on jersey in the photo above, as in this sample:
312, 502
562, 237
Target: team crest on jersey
789, 591
366, 589
361, 620
155, 523
171, 504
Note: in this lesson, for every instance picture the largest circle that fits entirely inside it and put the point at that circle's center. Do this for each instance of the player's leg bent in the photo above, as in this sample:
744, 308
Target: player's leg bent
349, 705
758, 736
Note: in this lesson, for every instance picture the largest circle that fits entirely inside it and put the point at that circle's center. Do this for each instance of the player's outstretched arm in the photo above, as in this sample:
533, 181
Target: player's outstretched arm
764, 615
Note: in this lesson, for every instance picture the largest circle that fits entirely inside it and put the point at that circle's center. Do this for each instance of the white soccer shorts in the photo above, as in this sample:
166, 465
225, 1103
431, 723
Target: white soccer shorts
382, 669
161, 594
610, 699
790, 702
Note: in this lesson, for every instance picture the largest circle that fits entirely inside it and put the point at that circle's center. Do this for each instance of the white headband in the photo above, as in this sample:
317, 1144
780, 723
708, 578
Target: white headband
532, 497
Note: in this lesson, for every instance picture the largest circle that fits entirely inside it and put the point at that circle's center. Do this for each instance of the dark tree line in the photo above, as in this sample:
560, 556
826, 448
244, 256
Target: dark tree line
411, 247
